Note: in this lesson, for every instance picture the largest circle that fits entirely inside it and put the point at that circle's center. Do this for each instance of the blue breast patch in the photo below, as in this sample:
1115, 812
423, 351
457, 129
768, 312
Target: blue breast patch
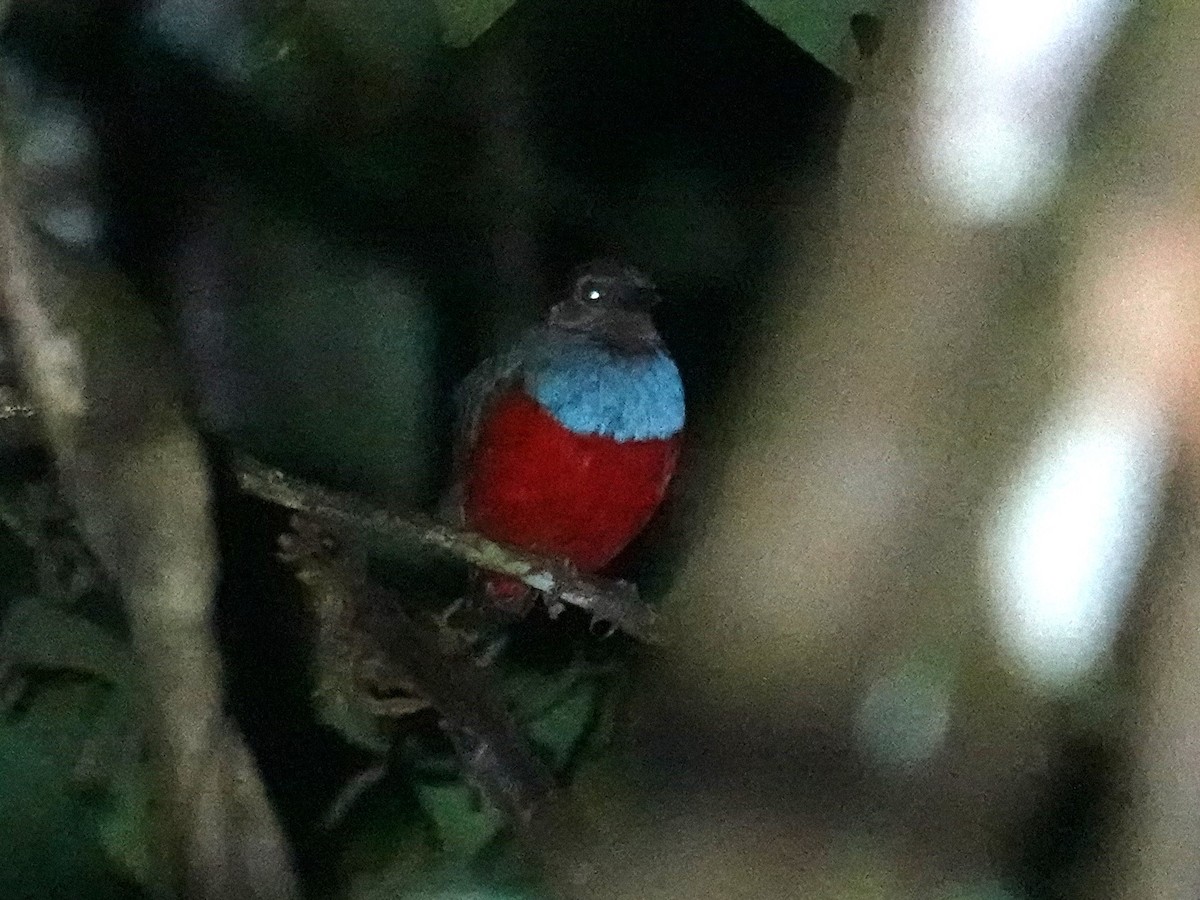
593, 390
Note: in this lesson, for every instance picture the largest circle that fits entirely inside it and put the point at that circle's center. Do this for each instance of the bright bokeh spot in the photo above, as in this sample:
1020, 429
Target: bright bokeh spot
1010, 36
1070, 536
1002, 80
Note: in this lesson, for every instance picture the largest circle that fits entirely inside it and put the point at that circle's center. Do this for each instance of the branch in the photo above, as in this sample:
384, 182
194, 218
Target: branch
612, 601
134, 470
385, 645
615, 602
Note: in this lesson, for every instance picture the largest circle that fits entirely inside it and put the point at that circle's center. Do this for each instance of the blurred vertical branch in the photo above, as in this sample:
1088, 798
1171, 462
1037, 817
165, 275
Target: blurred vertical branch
1138, 300
846, 414
854, 457
868, 434
134, 469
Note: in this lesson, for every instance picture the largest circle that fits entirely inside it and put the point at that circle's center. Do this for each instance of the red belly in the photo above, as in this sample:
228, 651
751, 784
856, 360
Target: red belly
535, 484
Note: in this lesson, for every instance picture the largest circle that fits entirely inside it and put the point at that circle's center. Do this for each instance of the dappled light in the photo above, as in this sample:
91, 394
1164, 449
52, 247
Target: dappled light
1001, 83
1071, 533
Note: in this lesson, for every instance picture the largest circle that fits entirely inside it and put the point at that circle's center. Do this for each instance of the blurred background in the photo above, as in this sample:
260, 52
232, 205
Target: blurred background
929, 568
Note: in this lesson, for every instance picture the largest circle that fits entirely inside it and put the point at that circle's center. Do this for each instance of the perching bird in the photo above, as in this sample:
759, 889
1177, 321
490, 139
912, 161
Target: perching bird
566, 444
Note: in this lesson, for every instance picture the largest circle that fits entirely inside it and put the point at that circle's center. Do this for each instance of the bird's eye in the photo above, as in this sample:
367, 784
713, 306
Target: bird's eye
593, 295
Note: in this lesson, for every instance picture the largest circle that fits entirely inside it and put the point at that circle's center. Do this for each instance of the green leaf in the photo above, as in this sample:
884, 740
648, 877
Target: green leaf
463, 823
465, 20
90, 722
341, 349
555, 711
37, 636
840, 34
50, 848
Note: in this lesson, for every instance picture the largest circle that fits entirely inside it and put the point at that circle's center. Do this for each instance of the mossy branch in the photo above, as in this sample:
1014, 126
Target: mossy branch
368, 628
614, 602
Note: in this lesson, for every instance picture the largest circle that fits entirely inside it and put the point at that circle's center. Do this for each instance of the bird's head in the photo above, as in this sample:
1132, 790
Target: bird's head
611, 301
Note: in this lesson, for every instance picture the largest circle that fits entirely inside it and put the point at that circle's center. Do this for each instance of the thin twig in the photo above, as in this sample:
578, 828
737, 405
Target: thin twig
611, 601
615, 602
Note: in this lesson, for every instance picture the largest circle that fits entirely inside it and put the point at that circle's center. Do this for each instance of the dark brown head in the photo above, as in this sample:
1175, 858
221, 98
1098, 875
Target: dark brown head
611, 301
612, 284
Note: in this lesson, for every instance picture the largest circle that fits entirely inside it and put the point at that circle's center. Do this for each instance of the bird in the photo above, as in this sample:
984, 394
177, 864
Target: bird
566, 443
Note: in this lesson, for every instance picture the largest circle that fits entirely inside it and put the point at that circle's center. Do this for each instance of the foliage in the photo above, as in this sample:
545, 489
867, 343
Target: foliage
465, 20
828, 29
71, 783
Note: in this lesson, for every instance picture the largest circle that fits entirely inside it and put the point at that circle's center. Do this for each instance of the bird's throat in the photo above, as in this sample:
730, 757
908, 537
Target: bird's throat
591, 388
